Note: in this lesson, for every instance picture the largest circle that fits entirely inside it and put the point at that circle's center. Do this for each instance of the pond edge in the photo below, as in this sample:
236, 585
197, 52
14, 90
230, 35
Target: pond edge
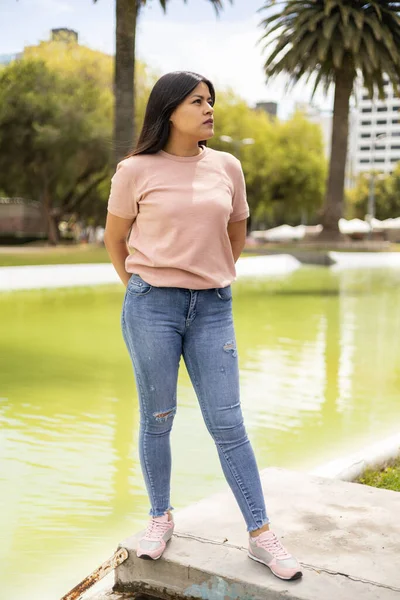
351, 467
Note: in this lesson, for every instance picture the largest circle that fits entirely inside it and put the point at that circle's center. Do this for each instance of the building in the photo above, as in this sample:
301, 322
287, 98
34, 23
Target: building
323, 118
20, 220
377, 130
270, 108
351, 163
61, 34
64, 35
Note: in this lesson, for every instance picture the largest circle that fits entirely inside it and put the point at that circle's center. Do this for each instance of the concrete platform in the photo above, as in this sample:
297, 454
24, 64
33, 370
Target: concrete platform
346, 536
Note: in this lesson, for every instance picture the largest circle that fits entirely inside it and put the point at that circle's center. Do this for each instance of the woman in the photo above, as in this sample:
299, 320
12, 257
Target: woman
186, 209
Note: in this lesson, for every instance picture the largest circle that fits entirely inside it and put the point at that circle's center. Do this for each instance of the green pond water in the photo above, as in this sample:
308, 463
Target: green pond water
319, 355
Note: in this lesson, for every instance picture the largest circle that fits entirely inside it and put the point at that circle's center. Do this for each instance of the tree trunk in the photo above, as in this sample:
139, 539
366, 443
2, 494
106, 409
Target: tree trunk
126, 16
51, 221
333, 208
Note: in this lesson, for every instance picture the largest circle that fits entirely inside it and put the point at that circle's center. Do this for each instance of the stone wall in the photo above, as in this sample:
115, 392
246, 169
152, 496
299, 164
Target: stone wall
21, 218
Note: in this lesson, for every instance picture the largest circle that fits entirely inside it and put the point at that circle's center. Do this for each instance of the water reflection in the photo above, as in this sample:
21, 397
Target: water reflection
321, 341
320, 374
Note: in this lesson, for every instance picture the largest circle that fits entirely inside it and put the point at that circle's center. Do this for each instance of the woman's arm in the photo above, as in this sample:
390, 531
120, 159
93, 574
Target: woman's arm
237, 236
115, 236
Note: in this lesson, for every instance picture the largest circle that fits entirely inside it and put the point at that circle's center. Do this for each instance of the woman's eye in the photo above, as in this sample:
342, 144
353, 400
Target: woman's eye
198, 100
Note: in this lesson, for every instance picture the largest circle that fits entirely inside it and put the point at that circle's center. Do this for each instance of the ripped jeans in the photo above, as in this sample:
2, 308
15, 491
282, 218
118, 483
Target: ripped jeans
159, 325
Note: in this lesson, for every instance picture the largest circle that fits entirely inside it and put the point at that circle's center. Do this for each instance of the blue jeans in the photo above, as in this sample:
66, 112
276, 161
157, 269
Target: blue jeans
159, 325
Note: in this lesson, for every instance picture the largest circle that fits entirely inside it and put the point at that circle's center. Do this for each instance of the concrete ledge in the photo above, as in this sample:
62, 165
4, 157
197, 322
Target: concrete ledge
359, 260
56, 276
275, 263
345, 535
305, 256
351, 467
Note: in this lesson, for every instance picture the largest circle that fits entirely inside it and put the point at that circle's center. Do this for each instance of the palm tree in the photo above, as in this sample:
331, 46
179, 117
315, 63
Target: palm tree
334, 41
127, 12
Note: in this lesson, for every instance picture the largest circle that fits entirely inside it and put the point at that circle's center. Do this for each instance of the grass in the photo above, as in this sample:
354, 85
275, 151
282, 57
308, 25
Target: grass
388, 478
44, 255
34, 254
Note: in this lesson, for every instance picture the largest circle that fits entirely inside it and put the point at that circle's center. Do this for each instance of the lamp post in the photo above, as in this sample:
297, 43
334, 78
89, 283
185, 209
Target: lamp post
237, 144
371, 196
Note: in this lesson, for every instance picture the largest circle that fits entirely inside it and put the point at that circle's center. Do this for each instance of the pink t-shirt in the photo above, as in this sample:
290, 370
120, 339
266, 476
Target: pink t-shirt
180, 207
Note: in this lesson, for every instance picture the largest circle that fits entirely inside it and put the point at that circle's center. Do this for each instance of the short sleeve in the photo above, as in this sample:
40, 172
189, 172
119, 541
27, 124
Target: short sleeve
240, 207
122, 201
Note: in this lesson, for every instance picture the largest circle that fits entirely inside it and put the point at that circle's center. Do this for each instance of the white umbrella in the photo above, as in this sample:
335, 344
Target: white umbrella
353, 226
282, 233
391, 223
377, 224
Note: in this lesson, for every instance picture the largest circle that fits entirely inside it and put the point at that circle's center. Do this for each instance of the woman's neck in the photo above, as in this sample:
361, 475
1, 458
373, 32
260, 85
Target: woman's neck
182, 148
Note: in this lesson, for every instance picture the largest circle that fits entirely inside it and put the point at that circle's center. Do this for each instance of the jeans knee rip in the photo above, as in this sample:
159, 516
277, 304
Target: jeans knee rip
163, 416
230, 347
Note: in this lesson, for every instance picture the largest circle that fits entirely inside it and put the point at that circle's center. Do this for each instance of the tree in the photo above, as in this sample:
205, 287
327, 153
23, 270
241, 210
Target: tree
387, 196
298, 176
285, 167
333, 41
74, 59
127, 12
53, 137
73, 99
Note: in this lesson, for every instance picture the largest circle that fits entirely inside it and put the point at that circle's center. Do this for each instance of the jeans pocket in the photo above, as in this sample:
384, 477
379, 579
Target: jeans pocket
224, 293
137, 286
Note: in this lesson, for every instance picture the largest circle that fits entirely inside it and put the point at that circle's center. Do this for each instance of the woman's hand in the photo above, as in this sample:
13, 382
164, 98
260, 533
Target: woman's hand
237, 236
115, 236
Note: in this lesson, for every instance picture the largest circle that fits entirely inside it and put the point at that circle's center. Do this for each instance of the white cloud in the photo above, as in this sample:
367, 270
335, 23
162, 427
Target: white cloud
53, 5
226, 52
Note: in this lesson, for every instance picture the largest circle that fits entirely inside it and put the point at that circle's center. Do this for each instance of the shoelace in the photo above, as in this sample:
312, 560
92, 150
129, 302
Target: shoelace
274, 546
156, 529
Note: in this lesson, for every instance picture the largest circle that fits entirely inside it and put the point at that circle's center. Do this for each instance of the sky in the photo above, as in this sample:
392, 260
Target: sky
225, 49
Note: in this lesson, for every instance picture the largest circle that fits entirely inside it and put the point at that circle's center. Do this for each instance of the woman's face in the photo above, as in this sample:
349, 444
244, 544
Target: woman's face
189, 118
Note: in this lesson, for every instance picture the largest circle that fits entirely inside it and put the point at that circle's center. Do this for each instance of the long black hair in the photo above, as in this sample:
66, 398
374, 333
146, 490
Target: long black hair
168, 92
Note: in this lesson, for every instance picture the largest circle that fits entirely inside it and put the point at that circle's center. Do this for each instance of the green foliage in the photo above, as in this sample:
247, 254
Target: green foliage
388, 478
387, 196
54, 134
56, 138
285, 168
299, 170
64, 255
56, 107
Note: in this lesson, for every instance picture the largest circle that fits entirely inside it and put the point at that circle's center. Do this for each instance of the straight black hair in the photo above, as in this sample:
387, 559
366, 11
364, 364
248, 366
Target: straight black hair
168, 92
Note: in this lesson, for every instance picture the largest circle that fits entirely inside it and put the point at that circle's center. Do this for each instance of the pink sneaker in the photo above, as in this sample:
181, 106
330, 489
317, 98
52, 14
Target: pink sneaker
267, 549
153, 543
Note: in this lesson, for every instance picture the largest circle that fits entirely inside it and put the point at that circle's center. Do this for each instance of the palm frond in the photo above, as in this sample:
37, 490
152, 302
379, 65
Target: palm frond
318, 38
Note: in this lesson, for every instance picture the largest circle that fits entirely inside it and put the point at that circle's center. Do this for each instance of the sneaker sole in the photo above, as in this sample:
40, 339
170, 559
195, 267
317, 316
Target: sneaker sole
297, 575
